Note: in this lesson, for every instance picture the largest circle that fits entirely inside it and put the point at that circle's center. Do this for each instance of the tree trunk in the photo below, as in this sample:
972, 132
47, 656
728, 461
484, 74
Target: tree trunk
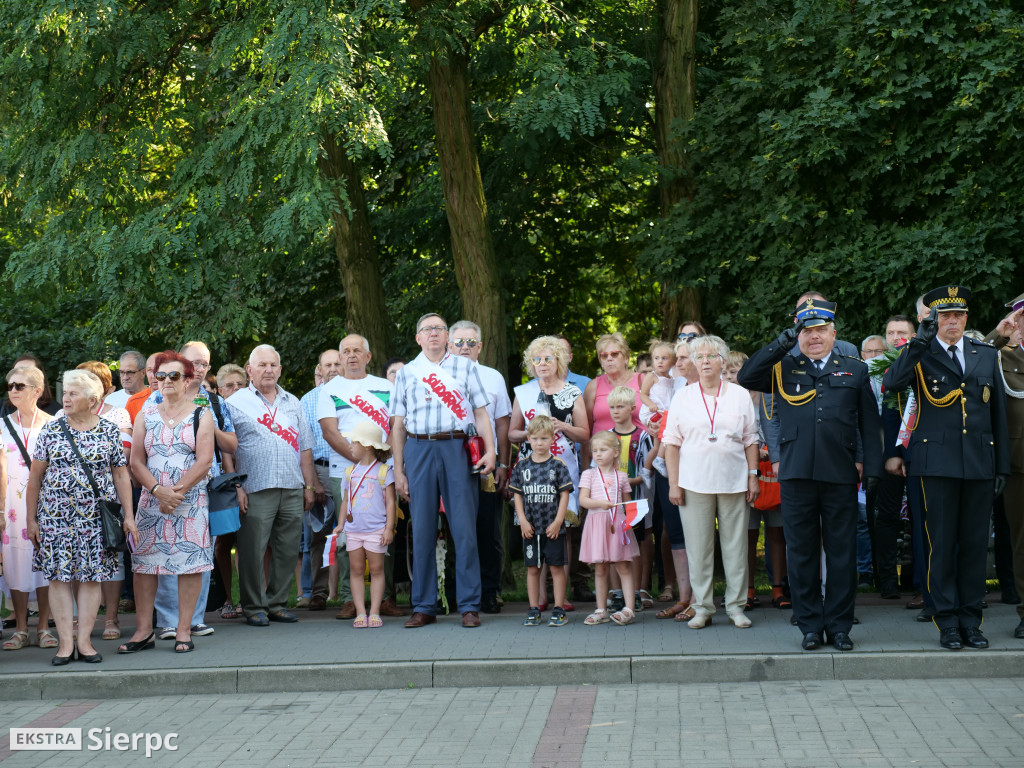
365, 312
476, 266
673, 108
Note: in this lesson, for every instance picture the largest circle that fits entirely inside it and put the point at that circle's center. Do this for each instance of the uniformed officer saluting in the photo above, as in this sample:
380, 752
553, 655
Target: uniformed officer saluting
959, 455
824, 401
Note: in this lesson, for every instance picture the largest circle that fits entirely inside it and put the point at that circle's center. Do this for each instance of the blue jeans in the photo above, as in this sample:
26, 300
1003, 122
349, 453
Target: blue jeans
863, 537
166, 602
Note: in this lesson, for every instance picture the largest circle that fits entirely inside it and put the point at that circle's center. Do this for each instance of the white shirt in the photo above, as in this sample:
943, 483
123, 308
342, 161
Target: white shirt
719, 466
959, 350
117, 399
333, 403
497, 393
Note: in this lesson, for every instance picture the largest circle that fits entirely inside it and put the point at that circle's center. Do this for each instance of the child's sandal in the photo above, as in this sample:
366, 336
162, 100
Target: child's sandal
623, 617
600, 616
374, 621
360, 621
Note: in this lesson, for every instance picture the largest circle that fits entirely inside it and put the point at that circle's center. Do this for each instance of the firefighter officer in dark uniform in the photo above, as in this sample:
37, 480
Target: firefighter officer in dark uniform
959, 455
829, 440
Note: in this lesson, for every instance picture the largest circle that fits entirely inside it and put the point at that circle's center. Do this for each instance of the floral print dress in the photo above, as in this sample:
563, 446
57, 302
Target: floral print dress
71, 544
177, 543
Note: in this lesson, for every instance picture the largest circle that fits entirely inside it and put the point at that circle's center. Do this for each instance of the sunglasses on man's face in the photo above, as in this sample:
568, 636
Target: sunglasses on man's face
170, 376
460, 343
16, 386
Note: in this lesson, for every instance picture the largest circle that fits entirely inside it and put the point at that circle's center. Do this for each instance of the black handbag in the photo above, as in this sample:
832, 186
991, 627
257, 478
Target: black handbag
111, 514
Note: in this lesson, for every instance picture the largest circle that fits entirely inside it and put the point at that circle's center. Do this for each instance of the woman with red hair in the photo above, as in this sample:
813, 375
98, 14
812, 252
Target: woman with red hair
171, 460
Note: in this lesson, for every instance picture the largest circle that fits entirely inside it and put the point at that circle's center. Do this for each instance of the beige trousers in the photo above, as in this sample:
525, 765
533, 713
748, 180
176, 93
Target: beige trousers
699, 513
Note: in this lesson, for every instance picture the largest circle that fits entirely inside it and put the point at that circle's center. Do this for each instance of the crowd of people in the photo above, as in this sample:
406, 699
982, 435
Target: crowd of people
875, 466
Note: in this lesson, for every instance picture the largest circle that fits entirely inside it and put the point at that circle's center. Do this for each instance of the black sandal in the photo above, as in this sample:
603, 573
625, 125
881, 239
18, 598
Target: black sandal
183, 646
779, 599
141, 645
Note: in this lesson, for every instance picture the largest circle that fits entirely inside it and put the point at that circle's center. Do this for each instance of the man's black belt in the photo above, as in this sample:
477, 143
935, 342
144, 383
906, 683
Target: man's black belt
439, 436
322, 462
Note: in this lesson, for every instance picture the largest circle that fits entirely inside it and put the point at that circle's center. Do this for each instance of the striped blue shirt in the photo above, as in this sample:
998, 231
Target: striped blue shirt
423, 413
268, 460
310, 401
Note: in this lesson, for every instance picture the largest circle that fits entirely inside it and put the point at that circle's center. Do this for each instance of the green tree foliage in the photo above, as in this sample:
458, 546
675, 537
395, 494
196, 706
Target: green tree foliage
161, 157
862, 149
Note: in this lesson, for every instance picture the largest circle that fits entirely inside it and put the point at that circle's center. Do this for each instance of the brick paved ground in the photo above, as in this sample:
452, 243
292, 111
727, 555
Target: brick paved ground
843, 724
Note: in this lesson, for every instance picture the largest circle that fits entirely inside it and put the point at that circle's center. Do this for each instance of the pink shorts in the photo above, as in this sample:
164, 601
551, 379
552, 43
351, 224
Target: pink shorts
368, 541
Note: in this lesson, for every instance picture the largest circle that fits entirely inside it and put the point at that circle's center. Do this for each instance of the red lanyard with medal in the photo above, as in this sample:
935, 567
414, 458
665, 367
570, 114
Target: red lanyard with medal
711, 416
352, 493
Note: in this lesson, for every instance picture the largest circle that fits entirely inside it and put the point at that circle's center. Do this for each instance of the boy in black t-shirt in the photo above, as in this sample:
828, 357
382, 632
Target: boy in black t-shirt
540, 486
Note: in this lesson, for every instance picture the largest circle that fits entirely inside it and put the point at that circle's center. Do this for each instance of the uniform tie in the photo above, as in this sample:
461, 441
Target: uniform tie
956, 358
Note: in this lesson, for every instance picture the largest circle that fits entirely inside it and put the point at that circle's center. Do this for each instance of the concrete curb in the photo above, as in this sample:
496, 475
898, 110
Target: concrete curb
473, 673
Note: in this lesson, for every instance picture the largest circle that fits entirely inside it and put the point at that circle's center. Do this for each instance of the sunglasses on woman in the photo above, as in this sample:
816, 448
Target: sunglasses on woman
609, 355
16, 386
171, 376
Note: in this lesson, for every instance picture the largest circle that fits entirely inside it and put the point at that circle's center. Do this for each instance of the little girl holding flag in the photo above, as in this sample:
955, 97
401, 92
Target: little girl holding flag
607, 534
367, 516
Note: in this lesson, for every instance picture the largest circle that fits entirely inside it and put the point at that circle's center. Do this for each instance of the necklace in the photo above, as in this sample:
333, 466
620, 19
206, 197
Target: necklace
711, 416
171, 421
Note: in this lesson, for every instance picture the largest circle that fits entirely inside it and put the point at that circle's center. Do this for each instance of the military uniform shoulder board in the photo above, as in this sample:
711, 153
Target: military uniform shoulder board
977, 343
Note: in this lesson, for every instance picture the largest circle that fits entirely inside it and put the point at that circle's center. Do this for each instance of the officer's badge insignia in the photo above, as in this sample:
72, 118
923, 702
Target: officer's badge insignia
953, 289
985, 394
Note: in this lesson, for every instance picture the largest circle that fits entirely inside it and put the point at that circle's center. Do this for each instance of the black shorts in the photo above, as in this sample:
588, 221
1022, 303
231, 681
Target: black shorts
541, 549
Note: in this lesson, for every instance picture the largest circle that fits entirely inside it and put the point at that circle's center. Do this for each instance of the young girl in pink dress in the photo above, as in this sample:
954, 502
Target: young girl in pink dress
602, 491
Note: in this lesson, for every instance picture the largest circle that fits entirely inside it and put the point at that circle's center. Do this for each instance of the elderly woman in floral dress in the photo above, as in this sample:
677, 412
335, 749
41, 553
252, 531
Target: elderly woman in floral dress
63, 511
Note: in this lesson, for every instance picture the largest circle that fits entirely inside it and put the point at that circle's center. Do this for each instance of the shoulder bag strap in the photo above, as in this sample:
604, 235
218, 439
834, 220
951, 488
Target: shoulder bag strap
62, 423
215, 405
219, 420
17, 441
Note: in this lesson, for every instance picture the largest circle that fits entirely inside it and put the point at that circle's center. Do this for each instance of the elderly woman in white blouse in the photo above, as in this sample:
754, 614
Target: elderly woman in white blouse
711, 447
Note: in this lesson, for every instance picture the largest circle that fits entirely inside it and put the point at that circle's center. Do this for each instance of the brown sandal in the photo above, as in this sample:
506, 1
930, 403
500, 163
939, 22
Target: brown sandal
686, 615
671, 611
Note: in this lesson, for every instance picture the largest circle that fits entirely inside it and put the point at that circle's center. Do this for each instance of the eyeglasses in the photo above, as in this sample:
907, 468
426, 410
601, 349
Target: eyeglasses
16, 386
686, 336
432, 329
545, 359
128, 372
169, 376
609, 355
702, 358
460, 343
200, 365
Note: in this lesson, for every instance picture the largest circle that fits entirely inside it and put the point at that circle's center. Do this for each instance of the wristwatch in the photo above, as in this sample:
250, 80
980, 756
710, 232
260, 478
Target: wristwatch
752, 472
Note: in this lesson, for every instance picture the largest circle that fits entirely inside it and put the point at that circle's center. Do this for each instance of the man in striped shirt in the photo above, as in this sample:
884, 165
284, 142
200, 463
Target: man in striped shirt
438, 397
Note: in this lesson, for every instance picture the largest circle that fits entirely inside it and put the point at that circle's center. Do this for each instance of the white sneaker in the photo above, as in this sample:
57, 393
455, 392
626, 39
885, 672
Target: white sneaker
168, 633
201, 630
740, 620
699, 621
